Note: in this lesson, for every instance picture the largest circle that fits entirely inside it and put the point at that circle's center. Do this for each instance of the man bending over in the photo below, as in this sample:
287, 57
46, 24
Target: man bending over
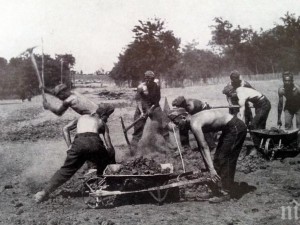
87, 145
230, 143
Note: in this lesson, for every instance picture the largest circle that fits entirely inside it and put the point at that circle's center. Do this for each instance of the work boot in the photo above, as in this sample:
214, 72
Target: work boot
218, 199
40, 196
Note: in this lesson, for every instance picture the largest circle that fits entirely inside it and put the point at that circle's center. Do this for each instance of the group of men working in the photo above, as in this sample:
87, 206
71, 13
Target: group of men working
191, 114
201, 119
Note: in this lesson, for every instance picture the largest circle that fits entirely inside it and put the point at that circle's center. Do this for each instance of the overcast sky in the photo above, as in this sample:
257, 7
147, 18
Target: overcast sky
96, 31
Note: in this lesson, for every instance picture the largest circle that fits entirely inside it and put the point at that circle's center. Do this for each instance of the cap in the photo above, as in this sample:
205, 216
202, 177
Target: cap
235, 75
105, 110
58, 88
179, 101
174, 113
149, 73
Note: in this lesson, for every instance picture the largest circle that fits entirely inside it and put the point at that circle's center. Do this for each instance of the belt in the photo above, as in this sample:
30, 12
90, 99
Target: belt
87, 134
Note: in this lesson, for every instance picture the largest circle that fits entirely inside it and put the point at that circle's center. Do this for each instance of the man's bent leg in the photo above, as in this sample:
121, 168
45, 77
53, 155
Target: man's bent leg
72, 163
288, 118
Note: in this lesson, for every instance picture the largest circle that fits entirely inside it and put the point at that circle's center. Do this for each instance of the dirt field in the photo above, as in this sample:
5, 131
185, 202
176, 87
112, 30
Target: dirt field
32, 149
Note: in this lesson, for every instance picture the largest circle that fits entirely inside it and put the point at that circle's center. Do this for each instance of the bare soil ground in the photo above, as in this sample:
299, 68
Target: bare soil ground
32, 149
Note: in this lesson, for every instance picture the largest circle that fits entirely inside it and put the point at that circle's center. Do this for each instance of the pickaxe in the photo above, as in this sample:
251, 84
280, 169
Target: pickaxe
41, 83
125, 129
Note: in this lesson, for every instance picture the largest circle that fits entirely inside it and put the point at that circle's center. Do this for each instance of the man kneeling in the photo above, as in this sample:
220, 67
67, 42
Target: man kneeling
87, 145
223, 167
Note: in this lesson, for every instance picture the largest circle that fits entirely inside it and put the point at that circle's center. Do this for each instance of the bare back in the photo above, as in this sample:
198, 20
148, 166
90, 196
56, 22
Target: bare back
80, 103
88, 123
210, 120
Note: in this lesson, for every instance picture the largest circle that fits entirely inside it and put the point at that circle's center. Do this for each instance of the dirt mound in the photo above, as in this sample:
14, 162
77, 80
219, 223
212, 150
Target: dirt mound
110, 94
139, 166
45, 130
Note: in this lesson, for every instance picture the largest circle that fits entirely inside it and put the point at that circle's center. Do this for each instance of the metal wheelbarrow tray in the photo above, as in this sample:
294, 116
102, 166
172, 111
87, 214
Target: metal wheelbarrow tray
157, 185
273, 143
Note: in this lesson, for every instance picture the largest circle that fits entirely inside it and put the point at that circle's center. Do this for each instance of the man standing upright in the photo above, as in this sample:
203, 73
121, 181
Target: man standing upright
230, 92
291, 92
147, 99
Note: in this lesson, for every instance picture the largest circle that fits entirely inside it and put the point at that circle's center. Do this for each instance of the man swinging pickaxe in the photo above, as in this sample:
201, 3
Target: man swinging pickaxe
41, 82
125, 129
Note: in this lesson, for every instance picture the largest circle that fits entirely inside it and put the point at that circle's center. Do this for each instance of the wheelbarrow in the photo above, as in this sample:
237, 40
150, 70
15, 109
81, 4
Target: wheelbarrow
275, 142
102, 191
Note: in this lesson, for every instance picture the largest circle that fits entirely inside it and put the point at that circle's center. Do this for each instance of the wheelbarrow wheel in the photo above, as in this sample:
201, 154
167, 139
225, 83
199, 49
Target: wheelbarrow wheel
268, 150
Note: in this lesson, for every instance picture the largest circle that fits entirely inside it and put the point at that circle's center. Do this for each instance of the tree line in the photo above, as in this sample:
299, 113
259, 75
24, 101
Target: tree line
158, 49
18, 78
249, 51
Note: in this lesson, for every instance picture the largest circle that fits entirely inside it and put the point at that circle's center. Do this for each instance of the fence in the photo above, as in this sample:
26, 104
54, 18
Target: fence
224, 79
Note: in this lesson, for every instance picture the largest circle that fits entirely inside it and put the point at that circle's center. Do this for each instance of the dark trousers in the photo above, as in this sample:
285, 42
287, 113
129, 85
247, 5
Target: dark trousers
262, 109
86, 146
289, 115
228, 150
156, 115
248, 112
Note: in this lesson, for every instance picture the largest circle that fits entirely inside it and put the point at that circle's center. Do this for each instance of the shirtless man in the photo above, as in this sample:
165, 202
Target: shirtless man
223, 167
192, 106
70, 99
87, 145
291, 92
147, 99
231, 96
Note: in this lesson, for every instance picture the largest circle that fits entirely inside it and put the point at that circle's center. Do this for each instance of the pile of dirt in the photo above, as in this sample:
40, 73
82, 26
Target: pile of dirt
274, 130
250, 160
23, 114
45, 130
139, 166
109, 95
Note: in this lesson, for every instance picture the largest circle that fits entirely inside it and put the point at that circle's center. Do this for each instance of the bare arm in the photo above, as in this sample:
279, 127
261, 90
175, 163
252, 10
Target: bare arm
242, 104
66, 131
229, 100
280, 106
61, 109
49, 91
138, 98
204, 150
107, 140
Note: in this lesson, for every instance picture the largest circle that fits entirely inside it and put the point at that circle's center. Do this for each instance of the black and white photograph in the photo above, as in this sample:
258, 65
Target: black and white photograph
147, 112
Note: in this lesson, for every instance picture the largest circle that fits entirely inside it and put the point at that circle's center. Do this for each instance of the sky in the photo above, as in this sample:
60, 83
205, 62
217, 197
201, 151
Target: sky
95, 32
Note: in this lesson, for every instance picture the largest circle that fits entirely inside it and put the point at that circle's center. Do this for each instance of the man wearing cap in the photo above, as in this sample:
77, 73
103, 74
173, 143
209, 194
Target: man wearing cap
231, 96
291, 92
192, 106
222, 167
87, 145
147, 99
70, 99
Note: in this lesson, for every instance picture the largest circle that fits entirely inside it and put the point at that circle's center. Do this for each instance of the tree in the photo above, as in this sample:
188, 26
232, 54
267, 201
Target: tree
153, 48
19, 76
